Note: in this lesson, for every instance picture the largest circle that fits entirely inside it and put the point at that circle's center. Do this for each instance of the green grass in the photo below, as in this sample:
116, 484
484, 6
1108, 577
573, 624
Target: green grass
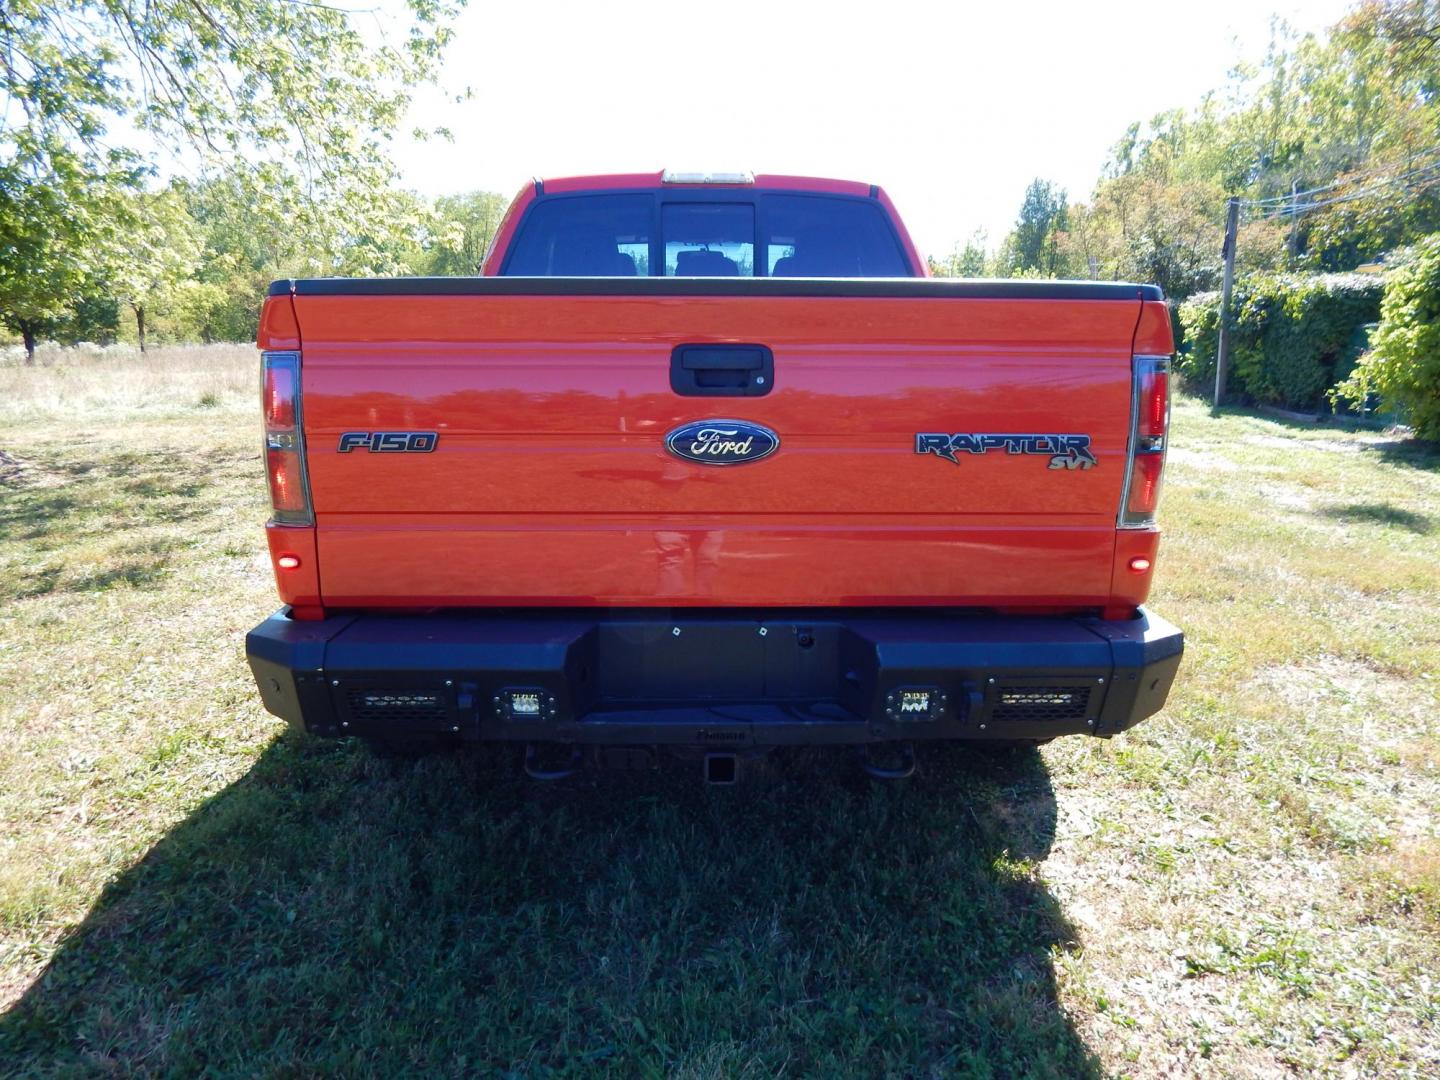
1246, 885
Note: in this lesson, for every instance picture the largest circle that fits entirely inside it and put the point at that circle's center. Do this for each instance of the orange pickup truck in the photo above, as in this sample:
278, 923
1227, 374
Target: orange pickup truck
705, 464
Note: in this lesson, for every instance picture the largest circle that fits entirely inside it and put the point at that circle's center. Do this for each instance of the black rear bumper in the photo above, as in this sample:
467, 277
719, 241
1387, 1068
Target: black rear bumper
713, 679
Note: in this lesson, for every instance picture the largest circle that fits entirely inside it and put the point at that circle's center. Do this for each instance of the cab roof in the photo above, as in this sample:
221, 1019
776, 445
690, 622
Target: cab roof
771, 181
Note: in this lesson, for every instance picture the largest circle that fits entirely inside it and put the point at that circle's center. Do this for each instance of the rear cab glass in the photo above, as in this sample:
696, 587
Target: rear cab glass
683, 234
584, 236
708, 239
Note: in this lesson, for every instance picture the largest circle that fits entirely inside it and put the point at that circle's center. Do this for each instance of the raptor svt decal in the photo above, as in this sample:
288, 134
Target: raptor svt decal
1064, 451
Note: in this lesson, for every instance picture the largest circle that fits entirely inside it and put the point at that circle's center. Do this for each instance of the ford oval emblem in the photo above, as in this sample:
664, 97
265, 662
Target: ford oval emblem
722, 442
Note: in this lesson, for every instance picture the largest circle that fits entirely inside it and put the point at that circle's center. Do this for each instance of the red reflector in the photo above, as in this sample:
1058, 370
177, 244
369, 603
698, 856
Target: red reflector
1139, 564
279, 403
287, 490
1145, 484
1154, 403
292, 562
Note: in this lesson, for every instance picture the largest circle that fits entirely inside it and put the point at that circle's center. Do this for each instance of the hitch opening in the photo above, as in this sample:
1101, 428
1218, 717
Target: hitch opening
722, 768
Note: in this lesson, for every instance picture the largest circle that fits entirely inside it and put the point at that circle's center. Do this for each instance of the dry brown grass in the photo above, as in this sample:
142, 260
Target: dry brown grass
89, 383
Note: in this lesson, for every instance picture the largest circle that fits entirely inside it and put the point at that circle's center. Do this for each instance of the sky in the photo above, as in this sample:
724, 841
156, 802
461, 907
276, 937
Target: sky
952, 107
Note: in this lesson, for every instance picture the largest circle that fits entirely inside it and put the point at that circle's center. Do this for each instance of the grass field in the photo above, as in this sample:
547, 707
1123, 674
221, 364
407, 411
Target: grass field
1245, 886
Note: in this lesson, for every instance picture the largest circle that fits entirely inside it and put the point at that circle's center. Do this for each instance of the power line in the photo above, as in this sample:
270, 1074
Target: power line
1417, 178
1363, 174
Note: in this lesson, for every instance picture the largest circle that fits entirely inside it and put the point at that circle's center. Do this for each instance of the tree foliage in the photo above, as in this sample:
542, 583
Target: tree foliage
287, 97
1332, 139
969, 261
56, 234
1042, 219
159, 253
1403, 367
464, 227
1293, 336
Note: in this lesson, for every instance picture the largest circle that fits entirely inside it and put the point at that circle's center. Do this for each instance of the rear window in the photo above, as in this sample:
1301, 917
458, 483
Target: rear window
774, 235
709, 239
812, 236
584, 236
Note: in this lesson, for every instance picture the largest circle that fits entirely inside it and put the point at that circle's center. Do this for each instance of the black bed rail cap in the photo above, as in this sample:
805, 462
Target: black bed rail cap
974, 288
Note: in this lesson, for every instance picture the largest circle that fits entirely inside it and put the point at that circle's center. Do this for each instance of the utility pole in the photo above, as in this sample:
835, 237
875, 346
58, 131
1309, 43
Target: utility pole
1294, 221
1222, 348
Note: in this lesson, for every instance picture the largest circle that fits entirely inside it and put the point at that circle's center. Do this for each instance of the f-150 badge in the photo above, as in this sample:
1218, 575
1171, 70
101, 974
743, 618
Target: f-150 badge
1064, 451
722, 442
388, 442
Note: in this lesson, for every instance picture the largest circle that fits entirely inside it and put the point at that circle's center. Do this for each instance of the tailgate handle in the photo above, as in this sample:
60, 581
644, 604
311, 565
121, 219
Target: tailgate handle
722, 370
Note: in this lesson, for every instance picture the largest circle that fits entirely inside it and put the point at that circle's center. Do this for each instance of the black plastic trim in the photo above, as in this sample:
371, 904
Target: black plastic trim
911, 288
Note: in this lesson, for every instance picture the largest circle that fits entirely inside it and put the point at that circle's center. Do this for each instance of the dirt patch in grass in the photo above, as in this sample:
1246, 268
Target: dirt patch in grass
17, 472
1201, 459
1410, 877
10, 468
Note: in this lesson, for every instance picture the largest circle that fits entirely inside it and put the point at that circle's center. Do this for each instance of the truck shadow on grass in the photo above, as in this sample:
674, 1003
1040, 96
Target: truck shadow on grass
334, 913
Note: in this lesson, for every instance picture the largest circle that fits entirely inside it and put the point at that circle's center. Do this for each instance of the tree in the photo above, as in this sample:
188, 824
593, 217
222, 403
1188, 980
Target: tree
1403, 367
1042, 216
465, 226
967, 262
243, 85
157, 255
55, 231
1350, 121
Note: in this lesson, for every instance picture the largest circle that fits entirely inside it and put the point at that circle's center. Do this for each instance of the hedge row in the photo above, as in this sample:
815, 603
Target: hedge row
1403, 367
1293, 336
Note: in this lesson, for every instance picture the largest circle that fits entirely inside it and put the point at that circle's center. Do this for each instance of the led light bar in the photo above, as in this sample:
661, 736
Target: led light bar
916, 703
524, 703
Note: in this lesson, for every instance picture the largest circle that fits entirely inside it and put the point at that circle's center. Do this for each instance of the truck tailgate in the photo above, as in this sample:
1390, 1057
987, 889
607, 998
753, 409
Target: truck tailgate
550, 482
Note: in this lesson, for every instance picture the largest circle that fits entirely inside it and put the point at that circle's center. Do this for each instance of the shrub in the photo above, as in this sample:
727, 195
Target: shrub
1293, 336
1404, 365
1200, 323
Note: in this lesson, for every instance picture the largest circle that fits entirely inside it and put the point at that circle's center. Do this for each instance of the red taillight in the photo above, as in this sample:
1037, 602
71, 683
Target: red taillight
1151, 412
279, 398
1145, 486
287, 487
1154, 403
284, 438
